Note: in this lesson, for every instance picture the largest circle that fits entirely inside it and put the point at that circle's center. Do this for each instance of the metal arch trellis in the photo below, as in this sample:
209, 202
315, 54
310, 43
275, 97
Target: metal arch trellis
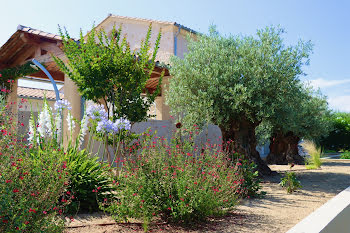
50, 77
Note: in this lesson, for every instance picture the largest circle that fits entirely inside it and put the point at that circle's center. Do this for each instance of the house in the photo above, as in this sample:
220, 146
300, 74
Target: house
28, 43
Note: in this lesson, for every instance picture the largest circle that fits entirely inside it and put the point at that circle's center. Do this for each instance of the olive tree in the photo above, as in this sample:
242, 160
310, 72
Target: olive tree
235, 82
304, 116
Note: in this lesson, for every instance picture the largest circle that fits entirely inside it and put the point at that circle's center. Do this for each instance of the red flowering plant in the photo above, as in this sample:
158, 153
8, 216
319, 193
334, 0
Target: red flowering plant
175, 181
251, 186
32, 181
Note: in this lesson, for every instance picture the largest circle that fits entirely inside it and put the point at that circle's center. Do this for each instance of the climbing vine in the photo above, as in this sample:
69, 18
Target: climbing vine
6, 75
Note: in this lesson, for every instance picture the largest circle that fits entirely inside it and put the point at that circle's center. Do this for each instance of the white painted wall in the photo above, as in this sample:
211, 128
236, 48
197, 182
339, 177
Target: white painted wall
332, 217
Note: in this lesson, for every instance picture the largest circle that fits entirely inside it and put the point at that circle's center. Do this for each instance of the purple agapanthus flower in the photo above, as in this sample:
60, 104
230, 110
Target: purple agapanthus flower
107, 126
104, 126
62, 104
124, 124
97, 112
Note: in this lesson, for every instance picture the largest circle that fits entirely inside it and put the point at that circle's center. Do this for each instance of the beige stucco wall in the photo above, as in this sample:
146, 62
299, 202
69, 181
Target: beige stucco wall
162, 109
12, 97
74, 98
135, 31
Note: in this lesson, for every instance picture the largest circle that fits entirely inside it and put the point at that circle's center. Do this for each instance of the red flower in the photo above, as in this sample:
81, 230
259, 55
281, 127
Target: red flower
15, 190
32, 210
178, 125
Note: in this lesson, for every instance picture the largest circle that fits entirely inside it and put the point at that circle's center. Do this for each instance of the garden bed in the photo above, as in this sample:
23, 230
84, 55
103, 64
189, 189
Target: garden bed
276, 212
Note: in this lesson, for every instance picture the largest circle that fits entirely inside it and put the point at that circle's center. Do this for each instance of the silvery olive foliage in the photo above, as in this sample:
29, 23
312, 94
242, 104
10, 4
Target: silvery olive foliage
225, 79
305, 114
307, 117
105, 68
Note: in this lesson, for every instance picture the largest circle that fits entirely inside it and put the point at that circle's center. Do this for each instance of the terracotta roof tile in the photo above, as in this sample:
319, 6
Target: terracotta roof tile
26, 92
38, 32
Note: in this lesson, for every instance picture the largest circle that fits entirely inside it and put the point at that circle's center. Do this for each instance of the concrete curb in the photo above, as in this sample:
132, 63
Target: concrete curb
332, 217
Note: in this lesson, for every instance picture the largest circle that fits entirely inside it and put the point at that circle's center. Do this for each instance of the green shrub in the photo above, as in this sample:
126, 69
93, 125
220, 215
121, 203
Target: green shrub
175, 182
90, 181
339, 138
345, 155
32, 184
330, 151
290, 182
251, 185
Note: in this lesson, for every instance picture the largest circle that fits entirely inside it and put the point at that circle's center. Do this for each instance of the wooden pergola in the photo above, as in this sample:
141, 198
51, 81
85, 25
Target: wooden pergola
28, 43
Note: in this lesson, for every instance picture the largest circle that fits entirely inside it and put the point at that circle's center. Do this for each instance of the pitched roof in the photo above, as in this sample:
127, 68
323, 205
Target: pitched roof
27, 92
38, 32
150, 21
20, 42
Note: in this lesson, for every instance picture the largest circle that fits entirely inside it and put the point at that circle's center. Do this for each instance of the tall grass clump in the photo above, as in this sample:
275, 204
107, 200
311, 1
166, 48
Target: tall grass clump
315, 154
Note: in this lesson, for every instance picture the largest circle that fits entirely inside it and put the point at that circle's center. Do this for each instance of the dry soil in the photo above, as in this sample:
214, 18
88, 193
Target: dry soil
276, 212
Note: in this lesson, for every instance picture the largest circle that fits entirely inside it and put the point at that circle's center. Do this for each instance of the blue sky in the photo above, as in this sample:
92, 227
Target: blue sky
326, 23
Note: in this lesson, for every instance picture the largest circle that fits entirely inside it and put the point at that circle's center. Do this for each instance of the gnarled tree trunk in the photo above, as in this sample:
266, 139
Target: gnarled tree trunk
284, 149
242, 133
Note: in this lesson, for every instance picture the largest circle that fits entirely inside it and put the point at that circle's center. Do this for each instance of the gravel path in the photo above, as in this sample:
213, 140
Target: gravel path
276, 212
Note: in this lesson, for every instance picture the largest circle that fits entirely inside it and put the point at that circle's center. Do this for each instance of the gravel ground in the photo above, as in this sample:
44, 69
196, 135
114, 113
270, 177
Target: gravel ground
276, 212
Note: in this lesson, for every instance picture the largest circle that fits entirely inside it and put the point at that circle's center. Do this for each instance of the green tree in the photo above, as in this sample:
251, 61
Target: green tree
339, 137
105, 68
304, 115
235, 82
